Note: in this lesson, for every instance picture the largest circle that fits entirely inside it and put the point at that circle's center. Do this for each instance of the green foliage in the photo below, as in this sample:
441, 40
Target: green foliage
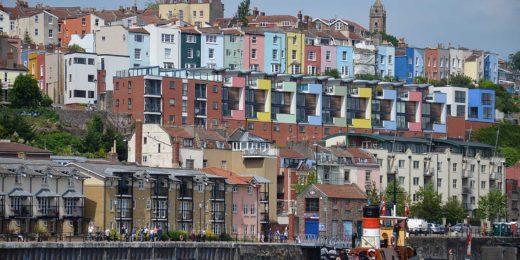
428, 206
367, 77
175, 235
46, 101
400, 195
25, 93
511, 154
503, 100
508, 140
27, 38
243, 12
332, 73
514, 61
438, 83
453, 211
420, 80
373, 195
460, 80
75, 48
114, 235
153, 4
493, 206
311, 179
15, 127
391, 39
210, 236
60, 143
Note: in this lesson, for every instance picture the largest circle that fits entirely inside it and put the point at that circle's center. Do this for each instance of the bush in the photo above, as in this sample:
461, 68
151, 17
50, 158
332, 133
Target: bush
114, 235
176, 235
165, 237
210, 236
225, 237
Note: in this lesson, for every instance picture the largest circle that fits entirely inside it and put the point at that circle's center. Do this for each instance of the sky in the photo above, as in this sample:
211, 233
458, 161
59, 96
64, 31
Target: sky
492, 25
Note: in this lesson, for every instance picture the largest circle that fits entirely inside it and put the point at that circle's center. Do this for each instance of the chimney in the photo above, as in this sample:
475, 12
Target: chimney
138, 141
112, 155
134, 9
306, 19
255, 12
121, 9
176, 154
262, 13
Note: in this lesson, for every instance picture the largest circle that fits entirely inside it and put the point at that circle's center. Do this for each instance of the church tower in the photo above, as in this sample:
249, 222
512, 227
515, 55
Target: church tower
377, 17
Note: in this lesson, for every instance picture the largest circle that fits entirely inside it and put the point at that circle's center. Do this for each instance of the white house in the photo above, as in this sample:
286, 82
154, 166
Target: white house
5, 22
84, 41
456, 100
80, 78
164, 45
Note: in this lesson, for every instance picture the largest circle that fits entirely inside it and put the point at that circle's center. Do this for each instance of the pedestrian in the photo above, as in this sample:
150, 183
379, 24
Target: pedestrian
396, 234
107, 234
152, 234
91, 232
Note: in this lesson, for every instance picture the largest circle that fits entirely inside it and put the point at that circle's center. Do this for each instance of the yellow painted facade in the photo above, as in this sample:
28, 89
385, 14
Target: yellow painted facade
295, 45
364, 123
33, 65
196, 14
471, 70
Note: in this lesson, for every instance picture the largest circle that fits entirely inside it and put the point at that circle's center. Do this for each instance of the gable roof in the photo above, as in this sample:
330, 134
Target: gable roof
16, 147
178, 132
209, 135
241, 135
346, 191
138, 30
232, 177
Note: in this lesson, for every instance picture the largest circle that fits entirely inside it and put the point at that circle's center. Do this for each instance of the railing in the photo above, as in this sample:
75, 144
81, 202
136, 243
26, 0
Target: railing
159, 213
264, 217
259, 153
184, 215
49, 211
467, 190
218, 215
264, 197
323, 241
123, 212
75, 211
467, 174
155, 91
152, 108
21, 211
218, 195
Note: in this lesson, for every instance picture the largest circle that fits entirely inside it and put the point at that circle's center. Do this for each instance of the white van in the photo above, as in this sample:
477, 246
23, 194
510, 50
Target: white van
417, 226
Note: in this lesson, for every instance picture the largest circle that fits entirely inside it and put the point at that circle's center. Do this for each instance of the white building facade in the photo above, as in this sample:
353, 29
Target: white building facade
164, 46
80, 78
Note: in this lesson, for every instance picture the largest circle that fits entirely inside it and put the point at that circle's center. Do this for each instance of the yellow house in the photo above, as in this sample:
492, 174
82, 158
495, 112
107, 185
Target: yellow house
33, 65
196, 13
7, 78
295, 48
471, 67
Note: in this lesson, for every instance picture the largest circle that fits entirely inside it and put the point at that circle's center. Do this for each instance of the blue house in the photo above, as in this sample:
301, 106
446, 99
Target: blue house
481, 105
345, 61
409, 64
139, 47
274, 52
491, 67
385, 61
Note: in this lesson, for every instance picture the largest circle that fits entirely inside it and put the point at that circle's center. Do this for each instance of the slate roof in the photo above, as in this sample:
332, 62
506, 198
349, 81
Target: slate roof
16, 147
241, 135
346, 191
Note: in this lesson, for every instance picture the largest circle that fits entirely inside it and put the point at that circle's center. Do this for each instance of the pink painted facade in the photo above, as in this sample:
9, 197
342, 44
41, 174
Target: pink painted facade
416, 96
328, 58
245, 201
361, 181
240, 84
254, 52
312, 59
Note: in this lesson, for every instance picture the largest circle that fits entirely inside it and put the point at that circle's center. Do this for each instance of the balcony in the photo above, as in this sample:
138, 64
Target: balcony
218, 195
218, 216
124, 213
263, 217
259, 153
73, 212
150, 108
286, 118
467, 174
160, 192
429, 172
184, 216
49, 212
436, 97
159, 213
21, 211
467, 190
336, 90
264, 197
285, 86
495, 176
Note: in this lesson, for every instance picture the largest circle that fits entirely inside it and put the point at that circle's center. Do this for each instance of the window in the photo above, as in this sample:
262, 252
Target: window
253, 40
168, 53
138, 38
189, 164
253, 230
473, 112
171, 119
311, 204
488, 113
275, 54
36, 18
51, 33
401, 180
90, 61
382, 59
344, 56
461, 110
223, 164
36, 32
293, 54
137, 54
90, 78
367, 176
482, 184
253, 53
187, 142
454, 167
234, 207
172, 102
390, 59
211, 38
415, 181
96, 22
253, 211
482, 168
168, 38
416, 164
454, 183
191, 39
211, 53
275, 40
194, 13
246, 210
460, 96
312, 55
401, 164
249, 190
327, 55
190, 53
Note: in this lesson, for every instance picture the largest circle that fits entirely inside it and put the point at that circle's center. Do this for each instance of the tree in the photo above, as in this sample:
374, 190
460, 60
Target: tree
75, 48
514, 61
15, 127
492, 206
453, 211
153, 4
400, 195
332, 73
508, 140
428, 206
243, 12
311, 179
420, 80
373, 196
511, 154
391, 39
46, 101
60, 143
99, 140
460, 80
25, 93
27, 38
93, 140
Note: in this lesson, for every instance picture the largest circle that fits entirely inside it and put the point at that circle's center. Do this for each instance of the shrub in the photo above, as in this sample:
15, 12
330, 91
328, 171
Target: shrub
114, 235
176, 235
210, 236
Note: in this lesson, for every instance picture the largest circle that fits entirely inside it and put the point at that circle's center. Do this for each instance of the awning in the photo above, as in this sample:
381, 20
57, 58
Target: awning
19, 193
46, 193
72, 194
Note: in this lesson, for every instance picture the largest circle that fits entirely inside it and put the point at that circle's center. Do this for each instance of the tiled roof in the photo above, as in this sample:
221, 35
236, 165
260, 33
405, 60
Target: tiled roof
151, 19
272, 18
16, 147
189, 29
232, 177
290, 153
178, 132
138, 30
211, 135
212, 30
346, 191
232, 32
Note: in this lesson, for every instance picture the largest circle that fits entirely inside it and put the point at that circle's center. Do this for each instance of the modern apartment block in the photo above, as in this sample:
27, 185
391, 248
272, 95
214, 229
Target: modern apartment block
171, 199
80, 78
38, 193
465, 170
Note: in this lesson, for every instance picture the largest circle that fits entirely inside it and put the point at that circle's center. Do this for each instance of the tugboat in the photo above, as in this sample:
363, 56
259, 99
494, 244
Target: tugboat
384, 237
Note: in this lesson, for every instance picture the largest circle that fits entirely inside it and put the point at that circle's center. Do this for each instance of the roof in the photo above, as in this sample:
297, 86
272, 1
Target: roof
460, 143
138, 30
472, 57
211, 135
178, 132
16, 148
272, 18
18, 192
72, 194
241, 135
46, 193
232, 177
345, 191
211, 30
232, 32
383, 138
189, 29
290, 153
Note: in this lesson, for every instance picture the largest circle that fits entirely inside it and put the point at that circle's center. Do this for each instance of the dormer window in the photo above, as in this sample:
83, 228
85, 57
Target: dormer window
71, 181
45, 179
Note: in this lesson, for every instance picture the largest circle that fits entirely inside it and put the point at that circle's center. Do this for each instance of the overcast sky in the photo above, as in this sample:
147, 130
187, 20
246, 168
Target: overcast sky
492, 25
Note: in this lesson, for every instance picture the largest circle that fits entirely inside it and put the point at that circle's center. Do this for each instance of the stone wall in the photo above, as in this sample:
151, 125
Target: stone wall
158, 250
438, 247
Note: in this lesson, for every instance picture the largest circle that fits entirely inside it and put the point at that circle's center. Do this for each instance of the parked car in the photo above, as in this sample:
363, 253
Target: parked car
435, 228
417, 226
459, 228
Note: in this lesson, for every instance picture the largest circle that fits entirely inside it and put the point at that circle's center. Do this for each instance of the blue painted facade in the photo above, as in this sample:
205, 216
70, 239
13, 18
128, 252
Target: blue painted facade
410, 66
491, 67
301, 106
274, 41
212, 52
345, 65
401, 69
385, 60
139, 41
481, 105
25, 56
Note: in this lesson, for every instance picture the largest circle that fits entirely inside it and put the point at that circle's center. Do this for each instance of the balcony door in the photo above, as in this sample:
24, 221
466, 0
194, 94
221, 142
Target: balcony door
43, 204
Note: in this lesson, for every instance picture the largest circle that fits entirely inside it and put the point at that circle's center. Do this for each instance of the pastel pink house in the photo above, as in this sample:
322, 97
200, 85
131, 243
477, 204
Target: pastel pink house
254, 51
328, 58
